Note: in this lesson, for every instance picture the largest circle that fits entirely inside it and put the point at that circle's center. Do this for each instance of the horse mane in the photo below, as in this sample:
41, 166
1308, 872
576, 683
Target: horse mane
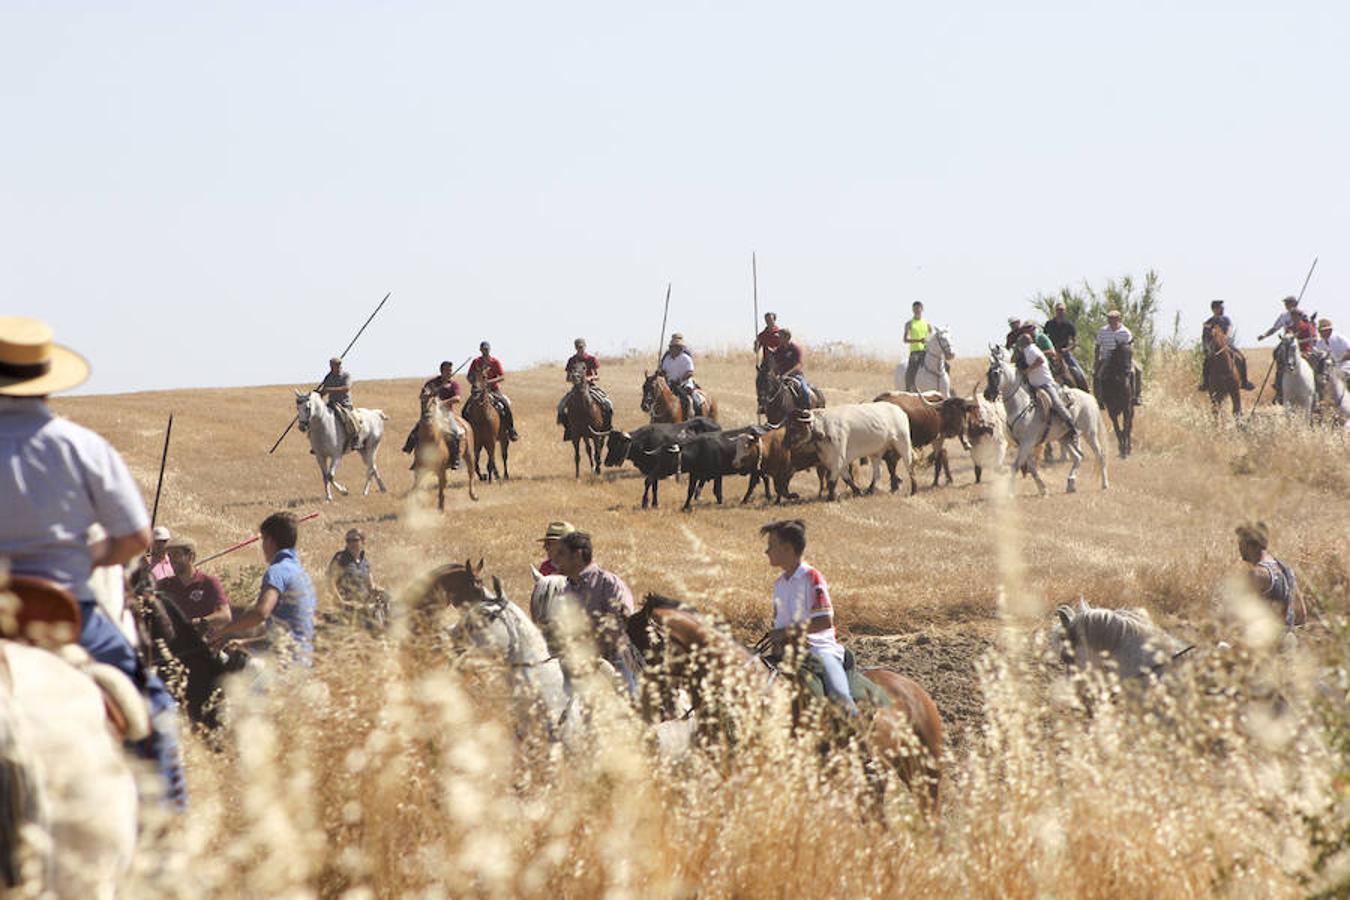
1121, 633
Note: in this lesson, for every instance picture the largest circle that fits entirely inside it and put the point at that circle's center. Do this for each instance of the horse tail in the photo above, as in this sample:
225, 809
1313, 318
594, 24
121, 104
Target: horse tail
22, 806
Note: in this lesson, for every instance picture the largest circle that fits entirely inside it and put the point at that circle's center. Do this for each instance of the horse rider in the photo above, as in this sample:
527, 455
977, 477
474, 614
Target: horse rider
606, 600
677, 364
1038, 376
486, 372
1283, 320
1301, 327
592, 366
446, 389
917, 332
1334, 345
57, 481
1271, 579
336, 388
787, 364
551, 540
158, 558
286, 599
349, 570
1110, 336
1016, 329
801, 603
768, 341
198, 595
1063, 335
1221, 321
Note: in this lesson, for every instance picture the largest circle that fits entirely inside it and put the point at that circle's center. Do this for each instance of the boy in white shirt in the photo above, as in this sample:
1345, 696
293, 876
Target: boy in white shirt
801, 598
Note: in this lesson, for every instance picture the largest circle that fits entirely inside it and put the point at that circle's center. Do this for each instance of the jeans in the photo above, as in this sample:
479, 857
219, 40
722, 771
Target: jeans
836, 682
806, 388
106, 644
912, 368
1073, 365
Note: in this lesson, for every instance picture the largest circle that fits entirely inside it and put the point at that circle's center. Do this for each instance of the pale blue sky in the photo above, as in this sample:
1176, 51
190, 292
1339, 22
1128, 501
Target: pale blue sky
215, 194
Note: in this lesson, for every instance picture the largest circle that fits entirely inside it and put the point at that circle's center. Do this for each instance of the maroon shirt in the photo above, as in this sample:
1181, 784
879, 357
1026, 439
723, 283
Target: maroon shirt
1306, 335
200, 597
443, 391
769, 340
786, 357
492, 368
592, 364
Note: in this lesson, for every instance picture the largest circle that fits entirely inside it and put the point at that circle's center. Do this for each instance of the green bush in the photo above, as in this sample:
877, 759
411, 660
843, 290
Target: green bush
1086, 307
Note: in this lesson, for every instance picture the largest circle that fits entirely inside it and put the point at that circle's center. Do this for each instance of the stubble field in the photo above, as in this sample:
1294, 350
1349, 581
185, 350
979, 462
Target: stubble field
923, 584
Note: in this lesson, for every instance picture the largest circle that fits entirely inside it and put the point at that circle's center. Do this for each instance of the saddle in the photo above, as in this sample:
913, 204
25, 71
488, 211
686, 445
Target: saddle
811, 676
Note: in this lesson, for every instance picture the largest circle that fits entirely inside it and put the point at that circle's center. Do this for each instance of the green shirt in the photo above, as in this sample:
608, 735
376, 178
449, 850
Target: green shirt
918, 330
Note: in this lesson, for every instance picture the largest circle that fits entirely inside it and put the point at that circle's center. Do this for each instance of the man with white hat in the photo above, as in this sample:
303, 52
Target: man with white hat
1335, 345
57, 480
160, 565
677, 364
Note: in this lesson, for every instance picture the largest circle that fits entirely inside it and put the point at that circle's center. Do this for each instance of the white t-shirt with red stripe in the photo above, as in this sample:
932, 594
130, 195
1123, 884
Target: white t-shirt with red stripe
800, 597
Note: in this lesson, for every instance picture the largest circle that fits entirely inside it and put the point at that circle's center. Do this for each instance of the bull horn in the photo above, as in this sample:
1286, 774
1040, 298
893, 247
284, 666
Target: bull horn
650, 452
497, 592
536, 574
595, 433
673, 448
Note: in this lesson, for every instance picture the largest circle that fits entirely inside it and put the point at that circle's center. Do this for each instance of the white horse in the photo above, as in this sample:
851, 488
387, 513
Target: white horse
1296, 377
328, 439
1124, 640
502, 629
1336, 391
1028, 423
68, 818
933, 374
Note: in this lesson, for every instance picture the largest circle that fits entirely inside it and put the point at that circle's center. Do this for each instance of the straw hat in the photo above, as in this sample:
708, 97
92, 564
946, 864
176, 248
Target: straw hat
557, 530
31, 365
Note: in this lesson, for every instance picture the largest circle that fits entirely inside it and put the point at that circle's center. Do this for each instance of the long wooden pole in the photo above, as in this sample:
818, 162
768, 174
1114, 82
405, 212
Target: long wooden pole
343, 355
1271, 368
163, 460
660, 348
759, 351
245, 543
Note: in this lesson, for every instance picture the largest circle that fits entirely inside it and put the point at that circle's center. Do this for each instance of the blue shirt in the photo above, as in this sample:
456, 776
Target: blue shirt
56, 480
295, 605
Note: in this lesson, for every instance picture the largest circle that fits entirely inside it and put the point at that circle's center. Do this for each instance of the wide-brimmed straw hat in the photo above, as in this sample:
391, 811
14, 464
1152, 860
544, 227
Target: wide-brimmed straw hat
557, 530
31, 365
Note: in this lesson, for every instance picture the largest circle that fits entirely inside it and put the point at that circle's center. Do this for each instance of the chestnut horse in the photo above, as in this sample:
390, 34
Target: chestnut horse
659, 399
698, 657
432, 453
585, 420
1221, 374
488, 433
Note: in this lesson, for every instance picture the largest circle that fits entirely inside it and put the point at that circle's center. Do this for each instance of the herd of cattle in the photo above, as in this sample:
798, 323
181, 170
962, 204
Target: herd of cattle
891, 428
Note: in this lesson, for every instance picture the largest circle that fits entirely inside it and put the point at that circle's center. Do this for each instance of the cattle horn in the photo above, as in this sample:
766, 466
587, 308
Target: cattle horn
650, 452
673, 448
1064, 619
536, 574
497, 592
595, 433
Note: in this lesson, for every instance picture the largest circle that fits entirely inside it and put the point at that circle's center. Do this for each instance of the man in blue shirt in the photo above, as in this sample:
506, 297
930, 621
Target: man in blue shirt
57, 480
286, 599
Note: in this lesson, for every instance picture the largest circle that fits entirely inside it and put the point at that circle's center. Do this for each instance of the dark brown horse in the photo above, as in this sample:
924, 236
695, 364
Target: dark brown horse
432, 452
691, 653
585, 420
1221, 374
488, 434
1116, 389
780, 397
660, 400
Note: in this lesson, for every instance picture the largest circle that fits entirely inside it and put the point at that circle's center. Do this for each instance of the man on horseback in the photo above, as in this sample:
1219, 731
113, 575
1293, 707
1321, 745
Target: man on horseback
336, 389
1284, 320
59, 480
198, 595
1037, 374
787, 364
677, 364
552, 541
1334, 345
801, 605
1221, 322
768, 340
486, 373
444, 388
1063, 335
916, 335
606, 600
1110, 336
592, 372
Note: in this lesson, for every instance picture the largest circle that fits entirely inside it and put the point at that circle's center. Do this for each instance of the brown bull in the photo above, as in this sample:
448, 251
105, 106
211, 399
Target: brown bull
768, 457
932, 420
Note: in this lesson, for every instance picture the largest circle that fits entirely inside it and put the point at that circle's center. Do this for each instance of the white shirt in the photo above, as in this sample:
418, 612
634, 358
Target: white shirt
1336, 345
1109, 339
1282, 321
677, 367
800, 597
1040, 376
57, 479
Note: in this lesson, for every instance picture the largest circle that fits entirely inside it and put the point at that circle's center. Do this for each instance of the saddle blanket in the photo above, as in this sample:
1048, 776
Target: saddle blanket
812, 677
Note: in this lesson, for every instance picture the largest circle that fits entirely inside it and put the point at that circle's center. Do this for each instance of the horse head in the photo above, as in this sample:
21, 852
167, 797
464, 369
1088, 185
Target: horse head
1285, 356
994, 377
648, 391
941, 336
577, 375
305, 408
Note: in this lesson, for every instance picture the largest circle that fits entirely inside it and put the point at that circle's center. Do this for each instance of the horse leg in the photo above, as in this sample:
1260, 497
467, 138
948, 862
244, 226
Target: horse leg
506, 454
1075, 463
440, 488
576, 455
332, 475
323, 472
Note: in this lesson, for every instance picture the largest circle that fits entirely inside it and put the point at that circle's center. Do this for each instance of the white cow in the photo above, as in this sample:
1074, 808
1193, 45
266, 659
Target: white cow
847, 433
990, 439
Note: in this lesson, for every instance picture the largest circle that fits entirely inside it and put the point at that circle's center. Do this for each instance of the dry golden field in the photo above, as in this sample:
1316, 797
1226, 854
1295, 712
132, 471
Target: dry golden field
386, 778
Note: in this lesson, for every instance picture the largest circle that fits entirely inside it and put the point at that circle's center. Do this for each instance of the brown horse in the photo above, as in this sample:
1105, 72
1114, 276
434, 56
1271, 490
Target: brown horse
585, 421
1221, 374
432, 453
1116, 389
693, 654
488, 434
659, 399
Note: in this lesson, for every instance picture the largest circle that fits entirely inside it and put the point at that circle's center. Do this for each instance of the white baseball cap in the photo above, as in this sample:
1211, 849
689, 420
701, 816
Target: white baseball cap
161, 533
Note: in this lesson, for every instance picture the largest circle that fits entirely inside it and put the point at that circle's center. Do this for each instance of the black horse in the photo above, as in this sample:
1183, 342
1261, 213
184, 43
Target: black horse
192, 670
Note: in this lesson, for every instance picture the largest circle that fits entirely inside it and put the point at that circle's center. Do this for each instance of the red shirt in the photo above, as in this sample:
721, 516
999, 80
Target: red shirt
592, 364
492, 368
1306, 335
200, 597
548, 568
769, 340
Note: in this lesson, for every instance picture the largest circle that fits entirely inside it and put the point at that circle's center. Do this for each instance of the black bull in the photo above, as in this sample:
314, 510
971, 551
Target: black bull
665, 449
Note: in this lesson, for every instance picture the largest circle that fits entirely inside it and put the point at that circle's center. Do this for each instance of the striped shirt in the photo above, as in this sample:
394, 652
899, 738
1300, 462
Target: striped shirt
1108, 339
